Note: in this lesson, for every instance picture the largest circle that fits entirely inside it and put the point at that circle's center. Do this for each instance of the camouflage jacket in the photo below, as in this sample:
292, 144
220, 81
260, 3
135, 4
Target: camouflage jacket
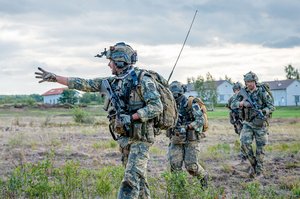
232, 99
264, 103
144, 100
189, 116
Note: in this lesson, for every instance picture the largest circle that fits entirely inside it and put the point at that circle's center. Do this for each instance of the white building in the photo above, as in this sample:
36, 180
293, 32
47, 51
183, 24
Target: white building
52, 96
224, 91
285, 92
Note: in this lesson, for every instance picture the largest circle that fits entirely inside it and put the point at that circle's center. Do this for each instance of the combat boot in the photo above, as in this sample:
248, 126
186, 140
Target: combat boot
252, 172
204, 181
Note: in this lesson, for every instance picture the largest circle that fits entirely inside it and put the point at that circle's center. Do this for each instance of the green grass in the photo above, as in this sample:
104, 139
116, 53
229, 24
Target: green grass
287, 112
36, 112
292, 147
280, 112
97, 110
105, 144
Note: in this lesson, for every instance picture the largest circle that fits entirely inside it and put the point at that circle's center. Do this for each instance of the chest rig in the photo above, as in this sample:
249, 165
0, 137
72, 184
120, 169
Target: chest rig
257, 97
127, 89
185, 113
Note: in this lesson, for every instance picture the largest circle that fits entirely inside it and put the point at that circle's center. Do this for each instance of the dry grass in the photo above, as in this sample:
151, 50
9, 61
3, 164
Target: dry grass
29, 139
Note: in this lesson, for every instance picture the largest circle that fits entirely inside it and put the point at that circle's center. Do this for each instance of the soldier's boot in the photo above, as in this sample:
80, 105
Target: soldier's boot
259, 171
252, 171
242, 157
204, 181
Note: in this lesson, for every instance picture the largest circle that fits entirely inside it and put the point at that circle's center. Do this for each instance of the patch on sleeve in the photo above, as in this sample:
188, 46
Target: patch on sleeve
151, 86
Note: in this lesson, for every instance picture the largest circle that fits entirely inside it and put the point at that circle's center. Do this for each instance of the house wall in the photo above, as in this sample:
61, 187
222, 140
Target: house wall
191, 93
280, 98
224, 91
51, 99
293, 90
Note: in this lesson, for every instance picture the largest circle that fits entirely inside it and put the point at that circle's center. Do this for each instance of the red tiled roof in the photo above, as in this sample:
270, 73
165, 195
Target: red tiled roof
54, 91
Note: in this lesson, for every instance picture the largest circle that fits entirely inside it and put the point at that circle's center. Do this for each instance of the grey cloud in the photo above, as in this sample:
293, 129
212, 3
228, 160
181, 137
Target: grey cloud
284, 43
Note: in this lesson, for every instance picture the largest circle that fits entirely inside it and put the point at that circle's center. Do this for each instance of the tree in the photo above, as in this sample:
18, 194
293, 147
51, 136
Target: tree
291, 72
68, 96
36, 97
228, 79
88, 98
206, 89
211, 90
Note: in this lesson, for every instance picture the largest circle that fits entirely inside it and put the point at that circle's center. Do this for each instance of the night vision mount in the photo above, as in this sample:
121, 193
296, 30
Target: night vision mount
102, 53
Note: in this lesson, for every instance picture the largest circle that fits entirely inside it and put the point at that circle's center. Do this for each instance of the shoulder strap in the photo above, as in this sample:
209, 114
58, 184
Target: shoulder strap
139, 85
190, 101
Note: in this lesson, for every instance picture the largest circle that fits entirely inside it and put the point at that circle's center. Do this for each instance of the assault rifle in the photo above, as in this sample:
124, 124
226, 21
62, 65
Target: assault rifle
252, 103
237, 122
118, 105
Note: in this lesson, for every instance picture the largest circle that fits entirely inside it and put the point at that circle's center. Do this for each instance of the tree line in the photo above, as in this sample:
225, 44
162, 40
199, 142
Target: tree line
68, 96
204, 86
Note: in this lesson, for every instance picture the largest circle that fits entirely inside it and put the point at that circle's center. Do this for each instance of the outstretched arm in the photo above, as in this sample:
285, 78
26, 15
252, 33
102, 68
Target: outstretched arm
50, 77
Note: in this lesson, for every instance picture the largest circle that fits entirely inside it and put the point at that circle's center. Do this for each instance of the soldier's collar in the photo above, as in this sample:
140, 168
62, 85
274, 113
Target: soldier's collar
125, 73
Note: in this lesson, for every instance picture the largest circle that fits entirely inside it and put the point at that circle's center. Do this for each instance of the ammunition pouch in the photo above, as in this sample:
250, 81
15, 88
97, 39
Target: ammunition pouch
192, 135
259, 122
180, 137
141, 131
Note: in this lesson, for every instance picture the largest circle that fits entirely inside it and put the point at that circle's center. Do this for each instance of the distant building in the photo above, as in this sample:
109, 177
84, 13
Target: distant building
285, 92
224, 91
52, 96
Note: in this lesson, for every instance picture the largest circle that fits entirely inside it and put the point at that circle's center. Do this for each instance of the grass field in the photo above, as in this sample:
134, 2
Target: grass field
46, 154
281, 112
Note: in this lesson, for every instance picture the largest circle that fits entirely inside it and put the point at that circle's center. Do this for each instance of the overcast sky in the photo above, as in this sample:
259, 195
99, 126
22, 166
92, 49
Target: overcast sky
228, 37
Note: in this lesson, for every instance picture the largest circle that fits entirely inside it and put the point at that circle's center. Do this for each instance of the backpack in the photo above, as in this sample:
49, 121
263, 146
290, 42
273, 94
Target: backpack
168, 118
203, 109
265, 87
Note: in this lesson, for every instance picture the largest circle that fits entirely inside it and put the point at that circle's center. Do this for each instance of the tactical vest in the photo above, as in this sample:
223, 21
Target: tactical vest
127, 91
257, 96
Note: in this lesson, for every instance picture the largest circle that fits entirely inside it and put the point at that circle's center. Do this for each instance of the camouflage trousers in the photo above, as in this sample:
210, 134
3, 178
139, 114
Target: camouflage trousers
248, 134
134, 184
187, 153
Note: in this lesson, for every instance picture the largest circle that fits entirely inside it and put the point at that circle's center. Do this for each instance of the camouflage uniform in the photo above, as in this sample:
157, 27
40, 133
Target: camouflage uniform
184, 141
235, 114
253, 125
144, 100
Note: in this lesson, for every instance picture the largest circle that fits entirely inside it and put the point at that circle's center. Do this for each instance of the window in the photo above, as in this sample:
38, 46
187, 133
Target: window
221, 97
297, 99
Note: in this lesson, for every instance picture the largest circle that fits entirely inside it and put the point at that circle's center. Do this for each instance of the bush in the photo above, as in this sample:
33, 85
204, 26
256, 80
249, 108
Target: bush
42, 180
80, 116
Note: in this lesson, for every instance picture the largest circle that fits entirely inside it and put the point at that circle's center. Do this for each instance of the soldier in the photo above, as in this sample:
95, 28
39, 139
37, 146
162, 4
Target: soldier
257, 105
235, 114
140, 103
185, 137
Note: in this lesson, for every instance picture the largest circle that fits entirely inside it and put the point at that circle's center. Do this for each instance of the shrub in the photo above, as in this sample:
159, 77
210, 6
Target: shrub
80, 116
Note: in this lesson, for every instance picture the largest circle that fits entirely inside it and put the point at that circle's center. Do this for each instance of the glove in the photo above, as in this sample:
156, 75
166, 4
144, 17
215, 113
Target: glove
45, 76
247, 104
123, 122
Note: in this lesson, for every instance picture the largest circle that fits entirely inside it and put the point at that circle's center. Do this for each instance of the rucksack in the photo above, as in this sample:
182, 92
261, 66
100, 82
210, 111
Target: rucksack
168, 118
266, 88
203, 109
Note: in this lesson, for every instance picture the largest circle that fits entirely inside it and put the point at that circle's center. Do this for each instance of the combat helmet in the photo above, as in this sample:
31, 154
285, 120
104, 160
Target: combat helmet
237, 86
122, 54
250, 76
177, 88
